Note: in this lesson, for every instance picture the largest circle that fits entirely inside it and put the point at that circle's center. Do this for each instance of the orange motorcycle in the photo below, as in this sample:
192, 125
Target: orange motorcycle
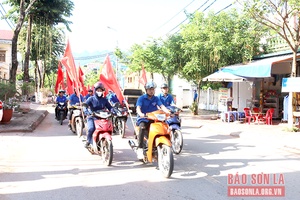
157, 145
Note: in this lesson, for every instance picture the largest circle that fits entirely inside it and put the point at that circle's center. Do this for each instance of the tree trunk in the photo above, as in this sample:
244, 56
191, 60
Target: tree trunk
14, 45
28, 49
290, 101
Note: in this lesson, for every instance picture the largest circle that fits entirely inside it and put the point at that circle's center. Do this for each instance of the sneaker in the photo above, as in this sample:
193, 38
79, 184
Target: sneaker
69, 125
86, 145
140, 153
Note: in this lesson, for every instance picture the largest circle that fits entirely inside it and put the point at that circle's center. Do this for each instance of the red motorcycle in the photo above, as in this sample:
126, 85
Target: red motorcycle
102, 140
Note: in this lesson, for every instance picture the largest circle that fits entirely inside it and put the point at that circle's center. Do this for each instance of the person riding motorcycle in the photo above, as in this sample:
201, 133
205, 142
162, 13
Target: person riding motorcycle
112, 98
96, 102
146, 103
61, 98
165, 98
73, 100
90, 93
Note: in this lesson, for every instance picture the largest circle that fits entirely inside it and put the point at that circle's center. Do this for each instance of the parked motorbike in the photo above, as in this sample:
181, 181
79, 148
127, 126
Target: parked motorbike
61, 112
174, 123
102, 140
157, 146
120, 115
77, 120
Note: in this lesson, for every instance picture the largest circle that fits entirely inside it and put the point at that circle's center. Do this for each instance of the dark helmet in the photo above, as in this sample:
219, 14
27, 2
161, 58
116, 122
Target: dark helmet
61, 91
164, 85
90, 90
99, 85
150, 84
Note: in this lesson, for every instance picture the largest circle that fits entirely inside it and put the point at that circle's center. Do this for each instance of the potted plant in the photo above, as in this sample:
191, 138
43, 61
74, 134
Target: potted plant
194, 108
7, 91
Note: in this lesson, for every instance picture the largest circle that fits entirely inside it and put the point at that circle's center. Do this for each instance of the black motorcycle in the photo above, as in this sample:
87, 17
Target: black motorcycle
120, 115
174, 123
61, 112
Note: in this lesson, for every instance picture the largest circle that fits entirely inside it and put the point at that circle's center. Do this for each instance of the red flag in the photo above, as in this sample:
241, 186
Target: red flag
81, 82
70, 88
60, 78
108, 78
68, 62
143, 79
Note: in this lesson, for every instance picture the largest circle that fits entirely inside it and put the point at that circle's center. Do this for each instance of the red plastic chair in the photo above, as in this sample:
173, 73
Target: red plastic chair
258, 116
269, 115
248, 115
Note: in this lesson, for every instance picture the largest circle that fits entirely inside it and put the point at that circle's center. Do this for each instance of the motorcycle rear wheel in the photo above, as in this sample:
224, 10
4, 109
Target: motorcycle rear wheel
79, 126
165, 160
107, 151
177, 141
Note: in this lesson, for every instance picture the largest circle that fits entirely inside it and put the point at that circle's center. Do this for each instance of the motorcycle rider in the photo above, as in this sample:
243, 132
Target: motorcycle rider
165, 97
61, 98
90, 93
112, 98
96, 102
146, 103
73, 100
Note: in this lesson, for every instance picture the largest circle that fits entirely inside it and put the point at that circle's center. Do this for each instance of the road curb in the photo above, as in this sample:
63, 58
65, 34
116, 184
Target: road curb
34, 124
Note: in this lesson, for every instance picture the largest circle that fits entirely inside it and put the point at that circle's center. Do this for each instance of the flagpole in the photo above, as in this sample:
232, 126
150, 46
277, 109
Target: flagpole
117, 62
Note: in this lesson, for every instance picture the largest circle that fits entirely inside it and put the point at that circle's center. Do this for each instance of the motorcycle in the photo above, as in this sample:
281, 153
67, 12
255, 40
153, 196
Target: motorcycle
77, 120
102, 140
61, 112
119, 119
157, 146
174, 123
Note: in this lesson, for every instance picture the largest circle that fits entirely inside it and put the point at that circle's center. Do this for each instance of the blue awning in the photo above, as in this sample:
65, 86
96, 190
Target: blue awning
257, 68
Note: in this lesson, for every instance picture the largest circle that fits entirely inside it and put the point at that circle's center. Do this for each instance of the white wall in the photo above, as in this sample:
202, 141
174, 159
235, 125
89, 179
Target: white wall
241, 91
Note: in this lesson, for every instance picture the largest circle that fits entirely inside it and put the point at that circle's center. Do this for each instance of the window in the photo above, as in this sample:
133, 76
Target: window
2, 56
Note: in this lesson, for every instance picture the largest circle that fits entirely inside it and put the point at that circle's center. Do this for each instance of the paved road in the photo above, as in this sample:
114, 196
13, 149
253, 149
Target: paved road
51, 163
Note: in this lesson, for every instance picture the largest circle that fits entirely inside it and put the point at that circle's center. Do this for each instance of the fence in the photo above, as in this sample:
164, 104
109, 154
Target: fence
208, 99
3, 80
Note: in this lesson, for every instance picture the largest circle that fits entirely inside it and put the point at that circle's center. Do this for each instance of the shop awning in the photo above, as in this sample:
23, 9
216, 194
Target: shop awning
221, 76
257, 68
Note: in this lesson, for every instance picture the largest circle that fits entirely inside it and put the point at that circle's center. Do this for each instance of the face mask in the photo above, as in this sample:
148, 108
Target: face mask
99, 94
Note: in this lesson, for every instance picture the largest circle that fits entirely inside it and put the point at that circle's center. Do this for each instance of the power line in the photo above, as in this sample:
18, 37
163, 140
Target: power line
223, 9
10, 25
174, 16
187, 17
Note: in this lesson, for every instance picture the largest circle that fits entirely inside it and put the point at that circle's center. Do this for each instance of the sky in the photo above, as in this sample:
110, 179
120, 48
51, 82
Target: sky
99, 25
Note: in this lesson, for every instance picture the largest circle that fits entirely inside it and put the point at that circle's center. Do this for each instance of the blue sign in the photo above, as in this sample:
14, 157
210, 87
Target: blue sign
291, 84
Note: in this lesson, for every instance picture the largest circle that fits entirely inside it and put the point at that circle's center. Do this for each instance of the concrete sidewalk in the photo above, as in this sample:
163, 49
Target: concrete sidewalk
276, 134
26, 122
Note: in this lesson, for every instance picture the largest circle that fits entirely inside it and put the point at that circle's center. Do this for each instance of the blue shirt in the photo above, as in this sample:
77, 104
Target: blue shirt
166, 100
148, 105
74, 99
60, 99
98, 103
112, 98
87, 96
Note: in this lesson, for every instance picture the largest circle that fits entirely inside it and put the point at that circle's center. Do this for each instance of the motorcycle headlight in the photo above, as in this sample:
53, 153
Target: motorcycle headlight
161, 117
61, 103
76, 112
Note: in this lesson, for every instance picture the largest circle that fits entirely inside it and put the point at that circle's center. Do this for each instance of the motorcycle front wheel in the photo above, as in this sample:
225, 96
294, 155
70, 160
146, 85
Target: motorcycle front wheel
177, 141
122, 127
165, 160
107, 151
79, 126
61, 118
